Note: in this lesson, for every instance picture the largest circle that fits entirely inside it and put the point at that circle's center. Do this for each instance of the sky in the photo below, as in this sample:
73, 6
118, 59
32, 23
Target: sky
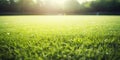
63, 1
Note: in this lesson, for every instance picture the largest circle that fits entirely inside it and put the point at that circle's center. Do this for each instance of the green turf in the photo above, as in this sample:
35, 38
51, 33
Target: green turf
59, 37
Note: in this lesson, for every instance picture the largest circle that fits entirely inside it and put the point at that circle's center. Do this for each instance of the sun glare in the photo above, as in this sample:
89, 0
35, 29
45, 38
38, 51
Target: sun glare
58, 1
83, 1
61, 2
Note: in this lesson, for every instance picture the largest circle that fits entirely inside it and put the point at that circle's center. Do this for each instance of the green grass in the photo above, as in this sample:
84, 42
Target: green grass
59, 37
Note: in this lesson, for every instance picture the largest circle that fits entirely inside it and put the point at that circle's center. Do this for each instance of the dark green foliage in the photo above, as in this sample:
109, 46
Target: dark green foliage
4, 5
26, 6
106, 5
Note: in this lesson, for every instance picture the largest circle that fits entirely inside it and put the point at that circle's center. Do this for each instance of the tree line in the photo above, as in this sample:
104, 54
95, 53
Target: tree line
71, 6
18, 5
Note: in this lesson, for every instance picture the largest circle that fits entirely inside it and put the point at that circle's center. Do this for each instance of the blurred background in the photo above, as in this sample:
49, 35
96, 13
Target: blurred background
75, 7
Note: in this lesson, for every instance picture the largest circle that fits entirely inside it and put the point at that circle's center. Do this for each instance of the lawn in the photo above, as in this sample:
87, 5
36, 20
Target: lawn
37, 37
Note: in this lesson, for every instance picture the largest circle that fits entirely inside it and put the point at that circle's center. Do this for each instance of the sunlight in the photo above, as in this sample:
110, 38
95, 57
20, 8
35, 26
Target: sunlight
83, 1
62, 2
58, 2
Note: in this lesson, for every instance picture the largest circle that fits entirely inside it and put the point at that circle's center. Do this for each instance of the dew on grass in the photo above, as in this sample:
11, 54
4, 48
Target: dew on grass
8, 33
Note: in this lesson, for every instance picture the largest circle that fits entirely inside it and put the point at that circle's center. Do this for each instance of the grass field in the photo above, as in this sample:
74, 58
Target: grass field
60, 37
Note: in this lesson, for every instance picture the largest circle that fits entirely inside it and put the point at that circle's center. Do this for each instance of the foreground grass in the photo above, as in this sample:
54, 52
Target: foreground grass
59, 38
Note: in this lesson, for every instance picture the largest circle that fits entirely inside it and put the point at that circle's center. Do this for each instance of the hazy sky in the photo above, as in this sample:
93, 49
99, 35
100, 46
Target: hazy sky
63, 1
